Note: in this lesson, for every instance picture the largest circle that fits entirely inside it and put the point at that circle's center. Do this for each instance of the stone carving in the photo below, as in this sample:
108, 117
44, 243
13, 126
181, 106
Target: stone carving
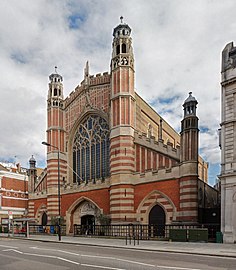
87, 209
234, 197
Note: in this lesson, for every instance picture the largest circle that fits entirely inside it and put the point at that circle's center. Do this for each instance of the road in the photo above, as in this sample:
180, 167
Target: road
27, 255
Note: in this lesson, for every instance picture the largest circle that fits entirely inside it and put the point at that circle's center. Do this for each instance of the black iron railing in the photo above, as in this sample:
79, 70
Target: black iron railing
126, 231
141, 232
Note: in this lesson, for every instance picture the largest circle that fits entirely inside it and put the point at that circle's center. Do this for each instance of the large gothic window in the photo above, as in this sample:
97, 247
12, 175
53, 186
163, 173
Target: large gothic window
91, 150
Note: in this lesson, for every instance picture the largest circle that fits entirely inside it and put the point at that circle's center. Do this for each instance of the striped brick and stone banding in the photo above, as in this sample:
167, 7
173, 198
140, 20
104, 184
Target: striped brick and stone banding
52, 205
122, 203
31, 209
188, 199
122, 154
42, 209
153, 198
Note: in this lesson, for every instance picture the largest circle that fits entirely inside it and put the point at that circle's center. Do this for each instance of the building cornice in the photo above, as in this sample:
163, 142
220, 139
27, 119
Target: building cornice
17, 176
229, 81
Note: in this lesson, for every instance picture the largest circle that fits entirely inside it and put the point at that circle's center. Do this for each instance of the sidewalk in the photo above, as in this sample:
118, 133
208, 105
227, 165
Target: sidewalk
211, 249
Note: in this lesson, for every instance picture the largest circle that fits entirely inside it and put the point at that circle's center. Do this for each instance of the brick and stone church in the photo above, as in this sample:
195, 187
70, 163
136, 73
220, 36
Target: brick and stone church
117, 157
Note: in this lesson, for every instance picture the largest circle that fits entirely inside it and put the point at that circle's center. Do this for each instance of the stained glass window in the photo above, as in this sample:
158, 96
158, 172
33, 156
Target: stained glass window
91, 150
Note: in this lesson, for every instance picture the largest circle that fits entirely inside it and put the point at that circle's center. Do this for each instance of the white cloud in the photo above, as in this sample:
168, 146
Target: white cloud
177, 46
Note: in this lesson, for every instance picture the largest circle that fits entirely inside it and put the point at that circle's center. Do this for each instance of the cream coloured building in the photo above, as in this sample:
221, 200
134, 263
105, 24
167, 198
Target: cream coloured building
228, 144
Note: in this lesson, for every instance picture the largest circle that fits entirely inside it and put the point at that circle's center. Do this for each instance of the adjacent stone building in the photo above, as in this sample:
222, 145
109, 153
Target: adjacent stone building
117, 156
228, 144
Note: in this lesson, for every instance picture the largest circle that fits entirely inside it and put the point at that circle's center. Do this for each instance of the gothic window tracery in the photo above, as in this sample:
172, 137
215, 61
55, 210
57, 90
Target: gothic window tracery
124, 61
91, 150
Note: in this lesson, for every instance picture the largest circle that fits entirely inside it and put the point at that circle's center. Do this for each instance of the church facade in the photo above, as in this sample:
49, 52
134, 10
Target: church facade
117, 157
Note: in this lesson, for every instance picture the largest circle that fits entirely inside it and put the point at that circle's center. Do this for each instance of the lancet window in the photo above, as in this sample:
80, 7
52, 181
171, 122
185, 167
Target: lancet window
91, 150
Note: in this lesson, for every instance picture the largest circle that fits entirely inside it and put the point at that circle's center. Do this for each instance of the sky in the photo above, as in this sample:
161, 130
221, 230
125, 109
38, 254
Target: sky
177, 48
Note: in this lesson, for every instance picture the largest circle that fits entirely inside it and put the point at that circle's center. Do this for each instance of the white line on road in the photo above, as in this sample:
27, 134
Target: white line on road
42, 255
10, 249
177, 268
58, 250
63, 259
118, 259
66, 260
97, 256
8, 246
103, 267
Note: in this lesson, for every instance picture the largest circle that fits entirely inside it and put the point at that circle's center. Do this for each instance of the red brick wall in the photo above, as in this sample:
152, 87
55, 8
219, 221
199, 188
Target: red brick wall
16, 198
168, 187
38, 203
101, 197
12, 183
7, 202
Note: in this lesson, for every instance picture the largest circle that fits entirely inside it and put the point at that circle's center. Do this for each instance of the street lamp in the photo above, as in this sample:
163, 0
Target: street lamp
59, 188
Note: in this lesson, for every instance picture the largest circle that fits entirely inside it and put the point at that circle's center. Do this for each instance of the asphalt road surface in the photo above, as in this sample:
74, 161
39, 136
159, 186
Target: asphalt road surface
27, 255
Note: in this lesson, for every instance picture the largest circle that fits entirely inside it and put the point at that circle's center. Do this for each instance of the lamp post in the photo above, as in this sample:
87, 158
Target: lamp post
59, 188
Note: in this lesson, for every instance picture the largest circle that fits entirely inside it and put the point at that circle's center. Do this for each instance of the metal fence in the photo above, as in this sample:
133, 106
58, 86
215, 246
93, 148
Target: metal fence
141, 232
130, 231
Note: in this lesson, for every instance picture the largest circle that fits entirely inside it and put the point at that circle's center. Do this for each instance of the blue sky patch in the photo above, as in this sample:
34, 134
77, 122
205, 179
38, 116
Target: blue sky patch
213, 171
76, 20
164, 100
204, 129
167, 100
18, 57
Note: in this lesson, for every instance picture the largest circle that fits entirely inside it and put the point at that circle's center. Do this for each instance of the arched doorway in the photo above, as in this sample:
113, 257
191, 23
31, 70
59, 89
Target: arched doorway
88, 222
157, 220
44, 219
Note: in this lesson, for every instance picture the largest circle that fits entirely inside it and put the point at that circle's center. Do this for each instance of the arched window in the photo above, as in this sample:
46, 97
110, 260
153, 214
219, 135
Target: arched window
55, 92
123, 48
91, 150
44, 219
118, 49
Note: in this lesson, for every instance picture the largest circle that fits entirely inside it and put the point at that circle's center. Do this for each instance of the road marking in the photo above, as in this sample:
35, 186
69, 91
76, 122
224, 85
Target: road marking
66, 260
62, 259
117, 259
103, 267
177, 268
95, 266
42, 255
97, 256
58, 250
146, 264
10, 249
8, 246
